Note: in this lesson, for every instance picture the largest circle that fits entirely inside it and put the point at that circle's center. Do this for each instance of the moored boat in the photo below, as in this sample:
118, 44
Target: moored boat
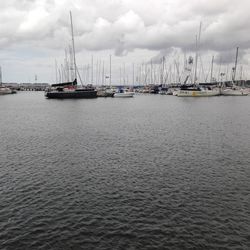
234, 92
197, 91
104, 92
68, 90
5, 90
124, 93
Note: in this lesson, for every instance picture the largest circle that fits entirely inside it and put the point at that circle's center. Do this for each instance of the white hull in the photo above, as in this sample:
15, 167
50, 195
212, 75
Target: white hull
124, 95
197, 93
171, 91
5, 91
234, 92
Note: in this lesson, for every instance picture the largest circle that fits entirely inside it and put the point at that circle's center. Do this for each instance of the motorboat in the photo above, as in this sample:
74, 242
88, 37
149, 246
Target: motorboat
124, 93
5, 90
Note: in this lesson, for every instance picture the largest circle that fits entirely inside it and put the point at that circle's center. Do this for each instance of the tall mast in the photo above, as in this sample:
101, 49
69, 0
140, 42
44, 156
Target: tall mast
120, 75
163, 69
92, 69
73, 45
109, 70
56, 71
196, 59
212, 66
133, 74
67, 65
151, 71
196, 55
87, 74
103, 73
124, 80
235, 66
241, 72
97, 73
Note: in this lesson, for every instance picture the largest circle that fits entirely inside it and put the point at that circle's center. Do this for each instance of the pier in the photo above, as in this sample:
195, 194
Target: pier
27, 86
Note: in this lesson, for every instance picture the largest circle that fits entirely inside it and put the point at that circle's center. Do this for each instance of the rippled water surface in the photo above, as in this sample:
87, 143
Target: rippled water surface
150, 172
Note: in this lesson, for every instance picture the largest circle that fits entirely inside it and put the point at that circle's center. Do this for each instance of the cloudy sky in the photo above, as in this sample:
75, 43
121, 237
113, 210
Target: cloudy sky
34, 34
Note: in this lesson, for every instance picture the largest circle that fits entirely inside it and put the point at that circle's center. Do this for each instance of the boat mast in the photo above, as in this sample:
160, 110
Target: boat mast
212, 66
109, 70
133, 74
235, 66
124, 79
151, 71
92, 69
120, 75
73, 45
163, 70
196, 55
103, 77
196, 59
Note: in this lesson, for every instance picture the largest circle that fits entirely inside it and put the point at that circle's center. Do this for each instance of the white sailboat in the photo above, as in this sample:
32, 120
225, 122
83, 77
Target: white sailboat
195, 90
121, 93
3, 90
234, 90
198, 92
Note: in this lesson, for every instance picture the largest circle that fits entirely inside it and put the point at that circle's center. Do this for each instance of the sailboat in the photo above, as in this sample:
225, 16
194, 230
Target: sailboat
195, 90
70, 89
124, 93
234, 90
3, 90
105, 91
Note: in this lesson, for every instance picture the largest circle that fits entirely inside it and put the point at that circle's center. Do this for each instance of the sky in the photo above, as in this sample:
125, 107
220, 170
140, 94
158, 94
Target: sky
35, 38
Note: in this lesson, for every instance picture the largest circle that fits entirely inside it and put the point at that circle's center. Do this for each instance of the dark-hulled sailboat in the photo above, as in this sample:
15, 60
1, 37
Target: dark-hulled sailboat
70, 89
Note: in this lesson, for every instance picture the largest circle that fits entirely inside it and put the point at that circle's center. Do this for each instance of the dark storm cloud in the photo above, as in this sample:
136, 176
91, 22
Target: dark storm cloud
229, 57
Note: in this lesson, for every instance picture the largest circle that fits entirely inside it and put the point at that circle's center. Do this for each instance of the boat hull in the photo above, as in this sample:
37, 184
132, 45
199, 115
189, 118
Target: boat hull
194, 93
124, 95
232, 92
5, 91
71, 94
105, 94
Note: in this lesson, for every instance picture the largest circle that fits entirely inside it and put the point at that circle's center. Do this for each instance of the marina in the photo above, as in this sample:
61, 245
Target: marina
109, 91
125, 125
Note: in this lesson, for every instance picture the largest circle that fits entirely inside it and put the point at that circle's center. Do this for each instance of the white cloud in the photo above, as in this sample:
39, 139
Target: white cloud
125, 27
